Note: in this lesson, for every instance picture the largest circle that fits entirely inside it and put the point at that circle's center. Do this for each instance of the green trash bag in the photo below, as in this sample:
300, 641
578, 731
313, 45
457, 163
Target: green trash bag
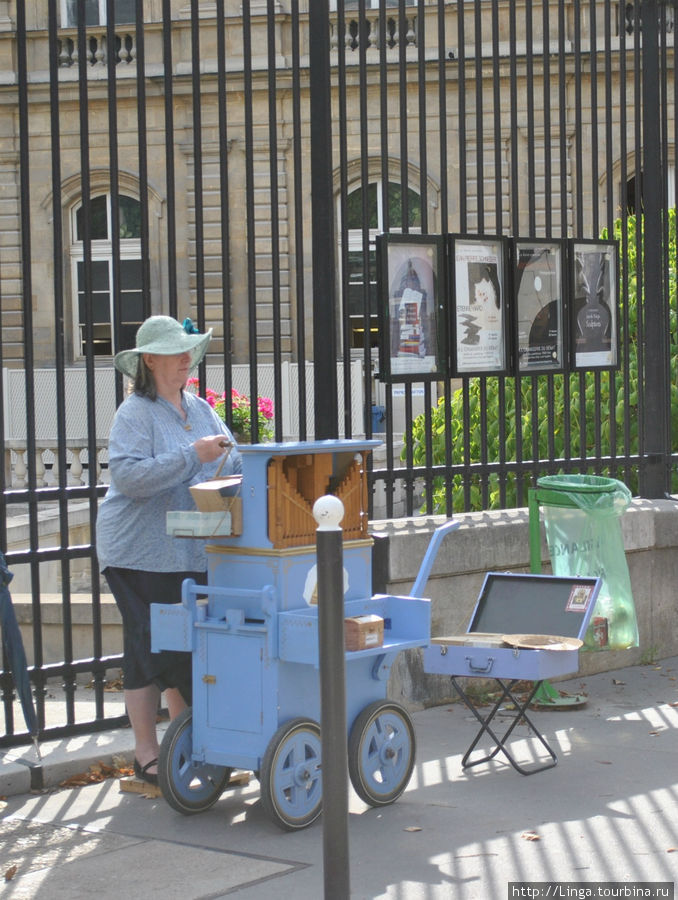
581, 515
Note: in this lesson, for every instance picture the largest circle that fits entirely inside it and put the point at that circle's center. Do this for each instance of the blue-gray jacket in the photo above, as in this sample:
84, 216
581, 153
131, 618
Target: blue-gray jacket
152, 464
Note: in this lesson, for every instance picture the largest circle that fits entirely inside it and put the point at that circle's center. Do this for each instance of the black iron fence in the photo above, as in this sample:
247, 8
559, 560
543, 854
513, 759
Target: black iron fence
236, 163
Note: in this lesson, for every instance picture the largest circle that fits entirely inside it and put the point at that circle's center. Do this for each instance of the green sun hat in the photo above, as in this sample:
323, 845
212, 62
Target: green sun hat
166, 337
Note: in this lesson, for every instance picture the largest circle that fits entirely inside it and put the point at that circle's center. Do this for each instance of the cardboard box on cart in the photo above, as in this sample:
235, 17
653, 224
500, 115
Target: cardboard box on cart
361, 632
218, 510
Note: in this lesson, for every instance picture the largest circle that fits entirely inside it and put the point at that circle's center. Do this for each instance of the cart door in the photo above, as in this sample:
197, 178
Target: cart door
228, 680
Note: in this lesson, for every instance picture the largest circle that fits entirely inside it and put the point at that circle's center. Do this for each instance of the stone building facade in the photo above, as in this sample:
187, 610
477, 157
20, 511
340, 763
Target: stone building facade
513, 118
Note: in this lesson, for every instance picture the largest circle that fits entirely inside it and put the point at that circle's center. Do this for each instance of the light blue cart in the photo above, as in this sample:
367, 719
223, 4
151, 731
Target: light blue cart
253, 635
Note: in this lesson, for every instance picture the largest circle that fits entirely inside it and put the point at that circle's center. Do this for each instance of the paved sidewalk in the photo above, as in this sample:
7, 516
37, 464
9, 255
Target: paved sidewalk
608, 812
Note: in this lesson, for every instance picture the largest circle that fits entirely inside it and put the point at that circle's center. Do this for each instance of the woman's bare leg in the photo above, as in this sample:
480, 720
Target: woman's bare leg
142, 709
175, 702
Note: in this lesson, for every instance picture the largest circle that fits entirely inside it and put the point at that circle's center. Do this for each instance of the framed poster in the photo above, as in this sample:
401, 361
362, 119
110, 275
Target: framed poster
478, 268
539, 311
411, 274
594, 302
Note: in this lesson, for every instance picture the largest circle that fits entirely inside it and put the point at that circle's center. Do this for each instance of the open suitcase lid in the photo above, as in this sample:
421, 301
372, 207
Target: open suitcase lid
513, 604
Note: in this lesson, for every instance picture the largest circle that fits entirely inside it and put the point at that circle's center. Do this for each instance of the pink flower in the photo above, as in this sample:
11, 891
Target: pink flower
241, 410
265, 406
211, 396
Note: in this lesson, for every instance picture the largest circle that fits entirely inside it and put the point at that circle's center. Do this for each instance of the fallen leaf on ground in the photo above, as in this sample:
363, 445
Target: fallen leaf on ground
97, 773
10, 873
604, 762
530, 836
413, 828
110, 685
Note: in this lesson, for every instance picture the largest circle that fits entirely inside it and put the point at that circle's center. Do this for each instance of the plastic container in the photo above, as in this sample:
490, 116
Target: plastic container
378, 417
581, 515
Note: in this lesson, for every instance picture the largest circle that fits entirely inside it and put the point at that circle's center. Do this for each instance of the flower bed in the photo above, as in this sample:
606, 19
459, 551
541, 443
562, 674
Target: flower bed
241, 412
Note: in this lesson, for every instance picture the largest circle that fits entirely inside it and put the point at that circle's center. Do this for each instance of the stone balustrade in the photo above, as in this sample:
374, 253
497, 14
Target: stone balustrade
97, 50
376, 35
391, 33
46, 460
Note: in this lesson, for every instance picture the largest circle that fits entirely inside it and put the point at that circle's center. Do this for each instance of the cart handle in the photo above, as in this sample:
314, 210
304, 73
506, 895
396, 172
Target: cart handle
430, 556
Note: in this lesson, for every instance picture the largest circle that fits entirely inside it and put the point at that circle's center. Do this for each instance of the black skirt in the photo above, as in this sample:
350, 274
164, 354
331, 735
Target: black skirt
134, 591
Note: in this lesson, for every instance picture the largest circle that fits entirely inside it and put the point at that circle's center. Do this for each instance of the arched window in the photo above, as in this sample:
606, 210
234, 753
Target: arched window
634, 191
99, 305
361, 271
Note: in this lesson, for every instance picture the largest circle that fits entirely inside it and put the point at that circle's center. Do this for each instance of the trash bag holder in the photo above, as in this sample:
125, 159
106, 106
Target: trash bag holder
553, 490
588, 543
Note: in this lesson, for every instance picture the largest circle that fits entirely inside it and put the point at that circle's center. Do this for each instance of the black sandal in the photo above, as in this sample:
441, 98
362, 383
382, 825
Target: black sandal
143, 773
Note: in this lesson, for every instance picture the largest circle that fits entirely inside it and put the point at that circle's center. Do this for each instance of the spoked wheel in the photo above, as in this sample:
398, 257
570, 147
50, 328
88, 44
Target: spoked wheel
290, 776
381, 750
188, 787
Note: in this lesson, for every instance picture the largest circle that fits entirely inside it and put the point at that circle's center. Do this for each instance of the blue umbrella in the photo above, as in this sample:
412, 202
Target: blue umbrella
14, 648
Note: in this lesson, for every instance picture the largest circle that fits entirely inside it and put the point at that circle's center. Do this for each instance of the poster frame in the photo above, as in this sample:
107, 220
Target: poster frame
584, 357
559, 358
467, 358
394, 252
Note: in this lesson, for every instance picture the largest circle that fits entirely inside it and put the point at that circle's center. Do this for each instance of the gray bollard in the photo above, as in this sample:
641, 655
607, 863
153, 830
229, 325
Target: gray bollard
328, 512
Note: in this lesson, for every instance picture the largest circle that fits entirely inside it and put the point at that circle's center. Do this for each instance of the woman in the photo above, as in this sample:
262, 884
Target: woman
163, 440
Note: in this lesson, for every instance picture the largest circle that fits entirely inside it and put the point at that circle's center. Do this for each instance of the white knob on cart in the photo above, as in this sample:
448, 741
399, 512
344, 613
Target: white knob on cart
328, 511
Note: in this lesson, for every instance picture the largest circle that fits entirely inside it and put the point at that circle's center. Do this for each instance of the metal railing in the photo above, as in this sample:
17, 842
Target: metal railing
518, 118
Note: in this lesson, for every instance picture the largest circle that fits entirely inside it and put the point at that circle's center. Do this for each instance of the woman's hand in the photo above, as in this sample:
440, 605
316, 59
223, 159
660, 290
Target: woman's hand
211, 448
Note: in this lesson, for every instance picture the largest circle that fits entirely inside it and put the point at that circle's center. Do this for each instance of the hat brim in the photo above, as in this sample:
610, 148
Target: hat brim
127, 361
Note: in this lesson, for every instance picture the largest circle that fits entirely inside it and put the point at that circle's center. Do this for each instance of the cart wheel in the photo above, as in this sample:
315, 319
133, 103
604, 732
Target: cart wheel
290, 777
381, 750
187, 787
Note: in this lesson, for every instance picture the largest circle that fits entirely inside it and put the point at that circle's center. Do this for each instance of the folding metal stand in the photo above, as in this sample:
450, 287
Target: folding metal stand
485, 722
511, 609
